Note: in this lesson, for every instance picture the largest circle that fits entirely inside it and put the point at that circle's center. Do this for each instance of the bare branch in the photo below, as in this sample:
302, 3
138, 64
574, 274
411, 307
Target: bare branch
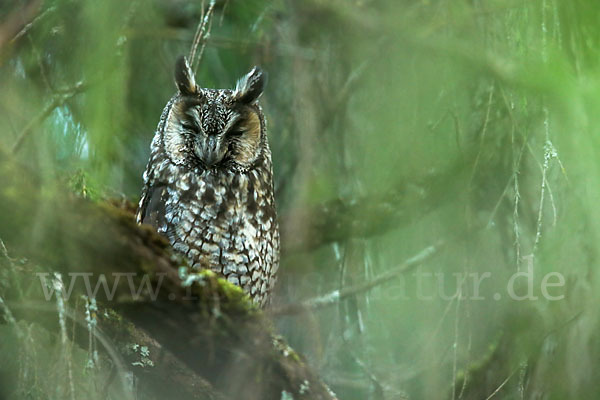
338, 295
33, 22
18, 21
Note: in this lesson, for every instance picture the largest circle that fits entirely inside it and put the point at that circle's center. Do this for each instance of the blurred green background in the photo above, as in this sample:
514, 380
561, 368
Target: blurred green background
469, 122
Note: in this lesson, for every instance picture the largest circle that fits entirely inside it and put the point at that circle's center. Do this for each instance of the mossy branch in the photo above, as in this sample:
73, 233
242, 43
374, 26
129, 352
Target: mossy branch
205, 323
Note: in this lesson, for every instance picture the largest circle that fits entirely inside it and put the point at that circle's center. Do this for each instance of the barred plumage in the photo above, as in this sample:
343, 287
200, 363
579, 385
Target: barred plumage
209, 182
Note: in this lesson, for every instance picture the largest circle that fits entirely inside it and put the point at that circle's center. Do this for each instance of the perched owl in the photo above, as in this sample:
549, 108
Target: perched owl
208, 186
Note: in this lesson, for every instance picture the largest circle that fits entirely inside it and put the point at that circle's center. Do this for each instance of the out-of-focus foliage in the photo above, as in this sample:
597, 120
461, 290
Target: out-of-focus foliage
500, 99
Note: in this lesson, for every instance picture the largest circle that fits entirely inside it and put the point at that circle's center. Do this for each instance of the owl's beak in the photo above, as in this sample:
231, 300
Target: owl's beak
209, 151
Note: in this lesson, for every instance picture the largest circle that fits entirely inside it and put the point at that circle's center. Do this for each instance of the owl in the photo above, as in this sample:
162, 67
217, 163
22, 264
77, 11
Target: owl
208, 186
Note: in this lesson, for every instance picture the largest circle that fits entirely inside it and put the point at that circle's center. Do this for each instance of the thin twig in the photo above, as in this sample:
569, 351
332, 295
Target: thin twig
482, 135
11, 268
4, 253
338, 295
197, 35
469, 348
546, 165
17, 21
8, 316
495, 392
223, 12
58, 101
514, 178
58, 285
204, 41
105, 341
202, 33
375, 381
456, 336
33, 22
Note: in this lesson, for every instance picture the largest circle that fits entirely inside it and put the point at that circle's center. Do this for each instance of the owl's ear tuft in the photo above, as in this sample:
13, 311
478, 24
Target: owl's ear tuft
250, 87
184, 77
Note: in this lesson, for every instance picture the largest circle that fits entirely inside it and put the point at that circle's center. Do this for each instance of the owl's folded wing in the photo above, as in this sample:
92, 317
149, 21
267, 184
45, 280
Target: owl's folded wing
152, 206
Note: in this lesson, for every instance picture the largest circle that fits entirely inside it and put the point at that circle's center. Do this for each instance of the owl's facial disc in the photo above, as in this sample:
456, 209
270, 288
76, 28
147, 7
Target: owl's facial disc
244, 138
215, 128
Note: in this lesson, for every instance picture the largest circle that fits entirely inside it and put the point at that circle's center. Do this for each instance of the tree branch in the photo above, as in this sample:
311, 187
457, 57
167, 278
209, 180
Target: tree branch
336, 296
207, 324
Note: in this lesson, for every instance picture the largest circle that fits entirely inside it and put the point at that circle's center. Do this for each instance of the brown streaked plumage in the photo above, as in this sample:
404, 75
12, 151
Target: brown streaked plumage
208, 186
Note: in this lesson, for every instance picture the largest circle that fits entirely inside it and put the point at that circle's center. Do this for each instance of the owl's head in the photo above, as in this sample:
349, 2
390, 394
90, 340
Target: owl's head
215, 128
